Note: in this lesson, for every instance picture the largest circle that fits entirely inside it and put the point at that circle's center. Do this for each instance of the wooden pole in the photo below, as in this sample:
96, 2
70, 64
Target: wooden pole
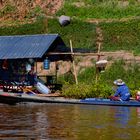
98, 58
73, 63
56, 71
99, 49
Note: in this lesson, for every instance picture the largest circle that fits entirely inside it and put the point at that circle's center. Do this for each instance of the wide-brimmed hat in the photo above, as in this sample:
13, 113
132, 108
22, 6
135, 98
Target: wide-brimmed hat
119, 82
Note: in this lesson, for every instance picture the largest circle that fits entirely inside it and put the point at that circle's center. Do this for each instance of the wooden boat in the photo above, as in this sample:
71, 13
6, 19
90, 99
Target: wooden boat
108, 102
12, 98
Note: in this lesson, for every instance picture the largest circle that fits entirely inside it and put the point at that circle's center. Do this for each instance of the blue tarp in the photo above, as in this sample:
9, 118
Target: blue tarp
27, 46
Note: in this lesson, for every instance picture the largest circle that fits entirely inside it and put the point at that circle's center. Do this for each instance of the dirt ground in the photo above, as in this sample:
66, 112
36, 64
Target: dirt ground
56, 5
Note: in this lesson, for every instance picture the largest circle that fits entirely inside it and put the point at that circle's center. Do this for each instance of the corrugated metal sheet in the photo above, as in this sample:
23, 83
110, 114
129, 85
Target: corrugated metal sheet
26, 46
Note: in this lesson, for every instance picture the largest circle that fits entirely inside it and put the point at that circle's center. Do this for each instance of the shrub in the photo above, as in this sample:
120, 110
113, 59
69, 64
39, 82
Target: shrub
82, 91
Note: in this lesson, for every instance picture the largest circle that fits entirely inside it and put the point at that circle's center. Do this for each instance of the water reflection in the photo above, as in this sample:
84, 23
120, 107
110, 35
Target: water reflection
122, 115
138, 111
68, 122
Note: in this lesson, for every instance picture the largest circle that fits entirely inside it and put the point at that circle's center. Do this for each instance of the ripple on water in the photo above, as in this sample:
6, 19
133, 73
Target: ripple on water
67, 122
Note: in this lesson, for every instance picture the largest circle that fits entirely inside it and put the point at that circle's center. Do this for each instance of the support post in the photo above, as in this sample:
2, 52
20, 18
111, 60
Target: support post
98, 58
56, 71
36, 65
73, 63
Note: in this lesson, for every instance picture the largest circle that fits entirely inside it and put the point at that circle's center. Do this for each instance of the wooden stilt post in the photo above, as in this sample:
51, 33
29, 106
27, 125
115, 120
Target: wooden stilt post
73, 63
36, 65
98, 58
56, 71
99, 40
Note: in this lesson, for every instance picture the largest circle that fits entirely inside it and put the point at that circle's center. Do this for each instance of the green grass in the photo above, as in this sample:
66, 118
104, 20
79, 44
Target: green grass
81, 33
37, 27
116, 35
122, 36
100, 9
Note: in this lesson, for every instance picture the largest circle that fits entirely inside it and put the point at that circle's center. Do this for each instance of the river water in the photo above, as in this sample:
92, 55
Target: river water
68, 122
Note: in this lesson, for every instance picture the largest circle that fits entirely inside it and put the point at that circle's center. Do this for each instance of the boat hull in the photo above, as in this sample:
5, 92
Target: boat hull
108, 102
24, 98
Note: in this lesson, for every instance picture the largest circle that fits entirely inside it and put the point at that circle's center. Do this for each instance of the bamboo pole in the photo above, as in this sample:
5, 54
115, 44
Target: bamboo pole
99, 49
73, 63
98, 58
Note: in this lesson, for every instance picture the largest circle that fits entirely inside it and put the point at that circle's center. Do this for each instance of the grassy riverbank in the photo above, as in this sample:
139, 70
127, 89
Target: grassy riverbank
120, 28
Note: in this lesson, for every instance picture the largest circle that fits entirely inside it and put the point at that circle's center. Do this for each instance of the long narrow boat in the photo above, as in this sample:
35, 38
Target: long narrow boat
11, 99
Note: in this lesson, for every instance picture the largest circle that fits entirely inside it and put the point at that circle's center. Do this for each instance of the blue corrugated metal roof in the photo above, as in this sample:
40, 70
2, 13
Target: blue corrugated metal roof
26, 46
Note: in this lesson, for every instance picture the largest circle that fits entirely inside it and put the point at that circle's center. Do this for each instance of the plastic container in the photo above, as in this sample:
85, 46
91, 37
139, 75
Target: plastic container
42, 88
46, 64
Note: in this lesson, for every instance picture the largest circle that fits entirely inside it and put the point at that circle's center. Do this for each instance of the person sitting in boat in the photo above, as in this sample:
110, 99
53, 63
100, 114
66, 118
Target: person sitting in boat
122, 92
138, 96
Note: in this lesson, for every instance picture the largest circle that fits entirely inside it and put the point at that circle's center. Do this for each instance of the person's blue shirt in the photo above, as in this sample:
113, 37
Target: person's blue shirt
123, 92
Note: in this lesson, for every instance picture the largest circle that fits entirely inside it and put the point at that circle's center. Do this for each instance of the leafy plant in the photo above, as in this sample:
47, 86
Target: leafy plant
83, 90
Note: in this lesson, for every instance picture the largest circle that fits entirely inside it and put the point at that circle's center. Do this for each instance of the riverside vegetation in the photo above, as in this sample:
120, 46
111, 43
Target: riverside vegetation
117, 35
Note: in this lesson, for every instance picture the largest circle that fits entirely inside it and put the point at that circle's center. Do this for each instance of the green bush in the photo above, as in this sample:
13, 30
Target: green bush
83, 90
66, 78
87, 75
